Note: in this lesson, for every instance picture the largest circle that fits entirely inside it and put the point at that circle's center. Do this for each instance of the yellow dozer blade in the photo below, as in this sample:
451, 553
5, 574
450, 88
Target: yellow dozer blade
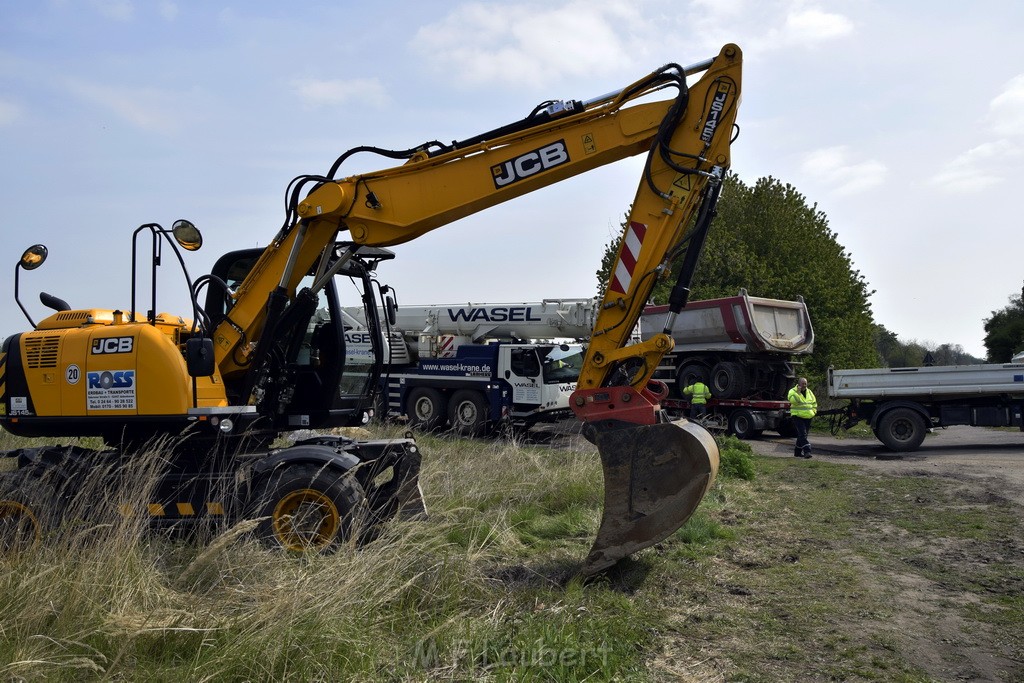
654, 478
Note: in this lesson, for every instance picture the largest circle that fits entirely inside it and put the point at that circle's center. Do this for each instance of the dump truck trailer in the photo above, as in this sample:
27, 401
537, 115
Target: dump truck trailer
745, 348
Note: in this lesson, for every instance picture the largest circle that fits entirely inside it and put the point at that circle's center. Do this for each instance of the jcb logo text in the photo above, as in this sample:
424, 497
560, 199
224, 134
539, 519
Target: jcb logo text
113, 345
525, 165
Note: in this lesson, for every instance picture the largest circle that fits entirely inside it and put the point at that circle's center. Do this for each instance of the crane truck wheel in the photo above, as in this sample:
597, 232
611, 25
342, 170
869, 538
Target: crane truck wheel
901, 429
306, 507
467, 413
27, 511
427, 409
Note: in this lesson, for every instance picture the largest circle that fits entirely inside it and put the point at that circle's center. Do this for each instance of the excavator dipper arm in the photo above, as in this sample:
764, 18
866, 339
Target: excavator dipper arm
656, 472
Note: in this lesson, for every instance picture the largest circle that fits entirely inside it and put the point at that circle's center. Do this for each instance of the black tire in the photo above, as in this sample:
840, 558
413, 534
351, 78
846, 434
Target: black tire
728, 380
688, 374
306, 507
742, 424
28, 510
427, 409
468, 413
901, 429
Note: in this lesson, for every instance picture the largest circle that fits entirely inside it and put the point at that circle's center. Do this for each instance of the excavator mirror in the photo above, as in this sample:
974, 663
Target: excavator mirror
187, 235
390, 309
34, 257
199, 357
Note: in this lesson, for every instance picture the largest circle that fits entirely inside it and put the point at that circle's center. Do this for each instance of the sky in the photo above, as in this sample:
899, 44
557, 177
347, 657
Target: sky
902, 121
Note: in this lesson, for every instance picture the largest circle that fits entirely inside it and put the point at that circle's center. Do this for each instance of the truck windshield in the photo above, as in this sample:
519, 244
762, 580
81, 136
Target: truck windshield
561, 363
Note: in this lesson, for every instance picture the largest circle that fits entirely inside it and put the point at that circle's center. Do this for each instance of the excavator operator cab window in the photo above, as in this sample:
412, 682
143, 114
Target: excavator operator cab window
332, 367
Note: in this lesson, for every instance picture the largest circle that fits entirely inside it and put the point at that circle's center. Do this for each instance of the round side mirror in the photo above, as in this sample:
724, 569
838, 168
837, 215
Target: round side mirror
187, 235
33, 257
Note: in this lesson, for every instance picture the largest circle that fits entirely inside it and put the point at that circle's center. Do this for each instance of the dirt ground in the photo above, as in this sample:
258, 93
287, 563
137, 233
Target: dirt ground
987, 467
983, 467
991, 457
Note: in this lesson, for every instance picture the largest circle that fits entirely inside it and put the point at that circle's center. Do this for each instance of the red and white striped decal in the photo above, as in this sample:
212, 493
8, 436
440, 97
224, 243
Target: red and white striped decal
632, 242
446, 346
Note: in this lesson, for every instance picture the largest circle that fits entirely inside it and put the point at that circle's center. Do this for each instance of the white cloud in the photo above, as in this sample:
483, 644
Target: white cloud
803, 27
146, 108
835, 167
9, 113
118, 10
168, 10
365, 91
529, 44
979, 168
765, 26
990, 163
810, 25
1006, 111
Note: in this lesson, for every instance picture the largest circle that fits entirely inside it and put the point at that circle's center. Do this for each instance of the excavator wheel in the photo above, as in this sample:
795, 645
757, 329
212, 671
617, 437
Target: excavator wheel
27, 511
655, 476
305, 507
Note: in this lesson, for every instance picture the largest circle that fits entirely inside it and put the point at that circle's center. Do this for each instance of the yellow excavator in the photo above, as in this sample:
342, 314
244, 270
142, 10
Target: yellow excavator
266, 349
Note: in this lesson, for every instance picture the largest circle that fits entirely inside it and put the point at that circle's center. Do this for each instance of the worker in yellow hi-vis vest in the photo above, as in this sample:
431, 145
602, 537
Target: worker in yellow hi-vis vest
802, 407
699, 393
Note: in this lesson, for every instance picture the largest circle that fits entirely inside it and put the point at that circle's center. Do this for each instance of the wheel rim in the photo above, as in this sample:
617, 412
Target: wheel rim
902, 430
306, 519
466, 414
19, 528
424, 409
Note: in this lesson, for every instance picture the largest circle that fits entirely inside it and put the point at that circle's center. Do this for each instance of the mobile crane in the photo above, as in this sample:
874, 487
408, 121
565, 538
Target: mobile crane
474, 366
260, 358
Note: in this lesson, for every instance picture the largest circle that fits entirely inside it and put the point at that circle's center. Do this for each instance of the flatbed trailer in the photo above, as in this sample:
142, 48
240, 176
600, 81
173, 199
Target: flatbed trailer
744, 418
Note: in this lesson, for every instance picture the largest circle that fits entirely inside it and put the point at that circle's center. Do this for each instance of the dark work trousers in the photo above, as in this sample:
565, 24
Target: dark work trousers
698, 410
803, 446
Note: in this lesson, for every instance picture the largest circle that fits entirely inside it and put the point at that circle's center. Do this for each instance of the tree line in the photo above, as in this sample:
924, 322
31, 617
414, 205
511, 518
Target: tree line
767, 239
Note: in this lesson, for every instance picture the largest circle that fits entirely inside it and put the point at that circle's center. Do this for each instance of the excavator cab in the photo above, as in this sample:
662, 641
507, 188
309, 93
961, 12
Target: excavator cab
331, 370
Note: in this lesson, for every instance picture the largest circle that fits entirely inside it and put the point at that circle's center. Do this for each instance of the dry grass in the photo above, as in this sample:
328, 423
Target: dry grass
796, 575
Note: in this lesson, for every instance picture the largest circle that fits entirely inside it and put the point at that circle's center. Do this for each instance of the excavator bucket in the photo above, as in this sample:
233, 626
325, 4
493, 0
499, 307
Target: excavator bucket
654, 478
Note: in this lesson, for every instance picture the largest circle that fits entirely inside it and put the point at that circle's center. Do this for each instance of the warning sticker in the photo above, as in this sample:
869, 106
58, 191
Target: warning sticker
110, 390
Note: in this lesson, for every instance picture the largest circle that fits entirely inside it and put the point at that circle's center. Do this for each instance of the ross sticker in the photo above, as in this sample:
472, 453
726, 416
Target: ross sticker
110, 390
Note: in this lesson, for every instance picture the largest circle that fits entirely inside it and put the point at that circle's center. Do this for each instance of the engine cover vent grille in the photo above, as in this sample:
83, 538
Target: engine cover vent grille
42, 352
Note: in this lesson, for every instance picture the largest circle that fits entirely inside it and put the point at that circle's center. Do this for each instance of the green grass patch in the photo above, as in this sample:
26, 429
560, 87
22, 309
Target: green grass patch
807, 571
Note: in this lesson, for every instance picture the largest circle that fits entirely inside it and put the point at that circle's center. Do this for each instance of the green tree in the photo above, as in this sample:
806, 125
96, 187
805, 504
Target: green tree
767, 239
1004, 331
